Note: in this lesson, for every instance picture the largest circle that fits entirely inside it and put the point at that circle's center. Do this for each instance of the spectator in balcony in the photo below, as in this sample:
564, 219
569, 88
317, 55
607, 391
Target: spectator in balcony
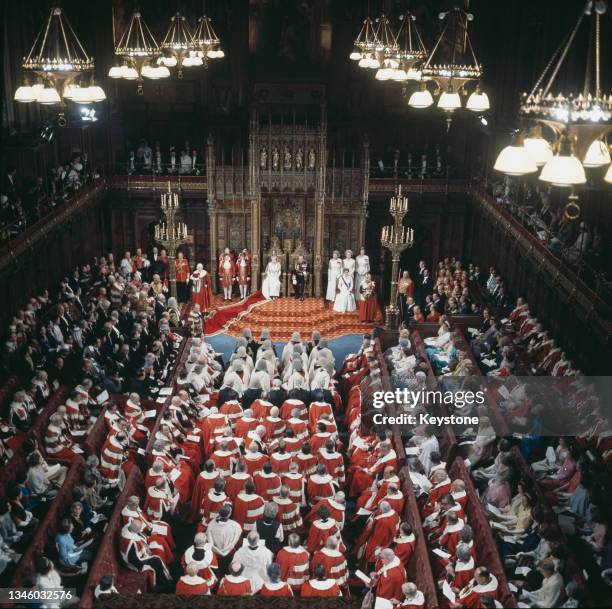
70, 552
186, 162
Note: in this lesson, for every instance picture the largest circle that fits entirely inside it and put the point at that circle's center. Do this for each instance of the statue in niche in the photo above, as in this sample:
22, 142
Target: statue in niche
275, 158
287, 158
312, 159
299, 159
263, 158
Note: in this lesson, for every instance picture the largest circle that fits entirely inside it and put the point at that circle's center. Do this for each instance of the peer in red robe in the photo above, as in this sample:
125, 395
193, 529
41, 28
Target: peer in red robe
321, 530
484, 583
320, 585
191, 584
235, 585
379, 532
201, 290
389, 578
293, 561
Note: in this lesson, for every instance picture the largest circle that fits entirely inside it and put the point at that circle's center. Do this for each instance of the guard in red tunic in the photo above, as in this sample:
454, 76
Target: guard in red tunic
227, 272
234, 583
275, 587
201, 291
243, 273
182, 276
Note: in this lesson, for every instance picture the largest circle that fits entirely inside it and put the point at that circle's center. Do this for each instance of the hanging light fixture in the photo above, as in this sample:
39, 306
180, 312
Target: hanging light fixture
139, 51
177, 45
452, 69
581, 117
206, 43
411, 50
58, 59
564, 168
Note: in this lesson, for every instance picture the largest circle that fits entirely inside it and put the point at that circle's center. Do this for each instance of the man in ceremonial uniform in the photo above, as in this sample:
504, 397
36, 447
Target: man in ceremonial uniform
243, 272
275, 586
413, 598
483, 584
333, 561
191, 584
234, 583
388, 580
227, 272
293, 561
301, 271
320, 585
182, 277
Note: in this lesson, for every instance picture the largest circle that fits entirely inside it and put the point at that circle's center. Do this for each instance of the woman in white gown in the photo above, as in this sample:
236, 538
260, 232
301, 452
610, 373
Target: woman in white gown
345, 299
333, 274
271, 284
363, 268
349, 263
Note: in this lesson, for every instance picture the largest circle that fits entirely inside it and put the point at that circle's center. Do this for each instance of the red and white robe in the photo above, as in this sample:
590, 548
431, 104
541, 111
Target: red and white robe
288, 515
247, 510
334, 563
294, 564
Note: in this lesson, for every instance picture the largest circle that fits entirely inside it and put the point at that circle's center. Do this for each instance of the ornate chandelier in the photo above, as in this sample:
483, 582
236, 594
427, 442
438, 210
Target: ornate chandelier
62, 69
177, 46
139, 51
577, 120
206, 43
452, 64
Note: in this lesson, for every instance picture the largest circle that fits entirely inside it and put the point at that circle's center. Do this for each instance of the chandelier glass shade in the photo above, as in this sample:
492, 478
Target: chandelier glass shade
449, 101
597, 155
421, 99
478, 101
608, 176
58, 59
563, 171
514, 160
538, 149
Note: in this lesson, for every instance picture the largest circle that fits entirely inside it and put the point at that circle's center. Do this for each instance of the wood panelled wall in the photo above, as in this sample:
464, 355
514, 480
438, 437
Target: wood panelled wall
132, 218
51, 252
443, 226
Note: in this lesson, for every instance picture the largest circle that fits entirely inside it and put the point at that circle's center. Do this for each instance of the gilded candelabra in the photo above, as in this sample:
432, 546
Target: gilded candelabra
170, 233
396, 238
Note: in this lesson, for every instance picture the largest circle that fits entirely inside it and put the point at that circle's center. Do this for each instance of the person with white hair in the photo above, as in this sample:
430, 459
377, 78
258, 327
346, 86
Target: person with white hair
288, 348
334, 270
390, 577
191, 584
270, 287
412, 598
255, 558
238, 374
201, 555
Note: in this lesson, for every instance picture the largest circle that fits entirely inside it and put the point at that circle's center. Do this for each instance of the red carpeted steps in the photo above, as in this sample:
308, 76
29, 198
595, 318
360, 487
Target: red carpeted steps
286, 315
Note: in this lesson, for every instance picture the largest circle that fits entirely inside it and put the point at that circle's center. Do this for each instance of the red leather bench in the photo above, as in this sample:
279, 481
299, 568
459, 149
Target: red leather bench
486, 547
108, 560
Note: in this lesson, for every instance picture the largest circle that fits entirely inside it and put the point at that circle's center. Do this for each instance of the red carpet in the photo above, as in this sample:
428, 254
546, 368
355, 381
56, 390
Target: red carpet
287, 315
224, 314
